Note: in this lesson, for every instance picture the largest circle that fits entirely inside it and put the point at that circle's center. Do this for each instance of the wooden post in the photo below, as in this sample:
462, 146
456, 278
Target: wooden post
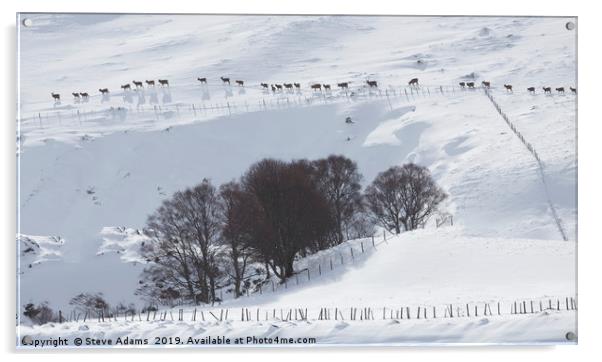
362, 245
308, 275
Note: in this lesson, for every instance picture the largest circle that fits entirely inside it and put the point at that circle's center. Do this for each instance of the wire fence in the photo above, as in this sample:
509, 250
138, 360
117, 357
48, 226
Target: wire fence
327, 313
540, 164
82, 116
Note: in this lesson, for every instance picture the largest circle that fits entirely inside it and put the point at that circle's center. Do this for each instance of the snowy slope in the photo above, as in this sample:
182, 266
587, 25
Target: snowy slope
86, 167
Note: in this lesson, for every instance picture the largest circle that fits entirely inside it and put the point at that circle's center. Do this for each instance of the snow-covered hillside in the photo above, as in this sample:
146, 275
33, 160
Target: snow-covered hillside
92, 170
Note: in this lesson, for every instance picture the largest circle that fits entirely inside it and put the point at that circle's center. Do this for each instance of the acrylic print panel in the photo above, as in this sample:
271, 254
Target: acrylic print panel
194, 180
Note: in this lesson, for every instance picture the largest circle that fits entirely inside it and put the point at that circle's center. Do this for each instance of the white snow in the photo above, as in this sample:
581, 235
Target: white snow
35, 250
88, 166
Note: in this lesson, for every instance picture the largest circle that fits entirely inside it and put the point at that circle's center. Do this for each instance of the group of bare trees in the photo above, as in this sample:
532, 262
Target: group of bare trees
207, 237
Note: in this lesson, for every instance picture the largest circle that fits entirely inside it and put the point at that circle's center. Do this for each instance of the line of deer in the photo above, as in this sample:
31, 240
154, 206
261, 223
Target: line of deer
289, 86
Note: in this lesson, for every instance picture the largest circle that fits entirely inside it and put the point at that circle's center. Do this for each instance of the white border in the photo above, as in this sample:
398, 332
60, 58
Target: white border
589, 166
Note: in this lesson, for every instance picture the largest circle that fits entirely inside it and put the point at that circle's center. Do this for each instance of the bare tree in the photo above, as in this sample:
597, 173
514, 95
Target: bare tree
292, 213
338, 178
404, 196
184, 232
237, 221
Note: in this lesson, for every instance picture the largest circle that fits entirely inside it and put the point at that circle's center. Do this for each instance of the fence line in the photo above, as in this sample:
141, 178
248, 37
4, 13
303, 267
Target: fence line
540, 164
327, 313
326, 265
156, 112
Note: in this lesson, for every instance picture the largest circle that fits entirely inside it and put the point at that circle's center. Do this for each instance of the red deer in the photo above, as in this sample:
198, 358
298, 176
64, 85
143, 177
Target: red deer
240, 83
462, 84
560, 90
531, 90
225, 80
486, 84
126, 87
297, 85
326, 86
573, 90
470, 84
56, 96
413, 81
547, 90
202, 80
508, 87
75, 95
372, 83
163, 82
316, 86
137, 84
343, 85
84, 94
150, 82
278, 86
104, 91
288, 85
264, 85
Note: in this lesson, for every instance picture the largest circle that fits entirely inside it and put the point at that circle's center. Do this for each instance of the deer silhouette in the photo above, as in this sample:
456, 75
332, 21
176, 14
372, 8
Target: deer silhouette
413, 82
486, 84
225, 80
560, 90
297, 85
547, 90
508, 87
531, 89
372, 83
240, 83
316, 86
470, 84
163, 82
462, 84
137, 84
150, 82
126, 87
75, 95
343, 85
573, 90
56, 96
202, 80
104, 91
264, 85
